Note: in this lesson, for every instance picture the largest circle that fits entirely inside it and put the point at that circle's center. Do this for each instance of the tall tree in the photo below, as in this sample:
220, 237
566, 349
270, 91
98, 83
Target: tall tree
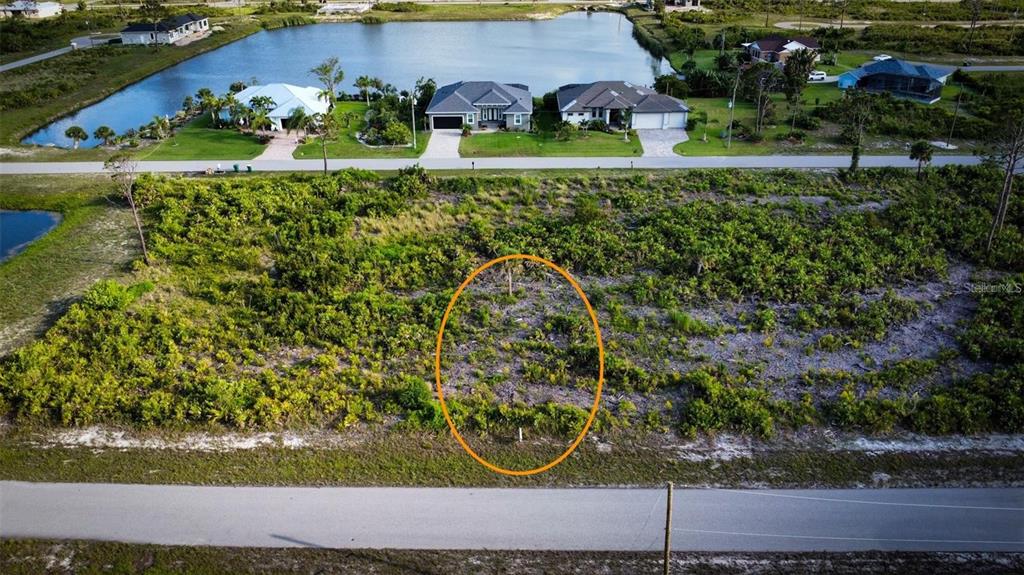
327, 128
298, 119
330, 74
123, 170
364, 83
974, 8
77, 134
796, 70
104, 134
921, 152
858, 106
1006, 149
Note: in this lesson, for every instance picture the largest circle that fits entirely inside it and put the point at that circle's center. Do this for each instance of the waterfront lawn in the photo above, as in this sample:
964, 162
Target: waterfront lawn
351, 119
199, 140
544, 143
39, 93
718, 123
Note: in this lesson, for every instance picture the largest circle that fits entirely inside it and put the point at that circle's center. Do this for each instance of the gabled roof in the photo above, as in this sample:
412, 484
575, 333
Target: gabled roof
286, 98
615, 95
900, 68
165, 25
780, 44
464, 97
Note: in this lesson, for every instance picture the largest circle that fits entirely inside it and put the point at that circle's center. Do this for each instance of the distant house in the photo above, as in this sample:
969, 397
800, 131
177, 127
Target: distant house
609, 100
167, 31
26, 9
777, 49
900, 78
481, 104
286, 98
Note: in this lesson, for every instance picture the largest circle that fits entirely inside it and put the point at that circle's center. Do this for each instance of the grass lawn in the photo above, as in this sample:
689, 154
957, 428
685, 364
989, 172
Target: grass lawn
544, 143
199, 141
703, 58
487, 10
718, 122
94, 240
347, 146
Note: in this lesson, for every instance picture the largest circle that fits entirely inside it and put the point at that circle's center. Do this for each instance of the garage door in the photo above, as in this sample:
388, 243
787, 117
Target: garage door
676, 120
646, 121
447, 122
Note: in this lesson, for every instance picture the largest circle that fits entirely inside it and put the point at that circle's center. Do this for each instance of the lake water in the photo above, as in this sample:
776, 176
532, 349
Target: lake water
19, 229
543, 54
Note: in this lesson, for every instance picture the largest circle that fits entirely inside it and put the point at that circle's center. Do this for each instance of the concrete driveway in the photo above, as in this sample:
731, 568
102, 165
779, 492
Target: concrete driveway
659, 143
443, 144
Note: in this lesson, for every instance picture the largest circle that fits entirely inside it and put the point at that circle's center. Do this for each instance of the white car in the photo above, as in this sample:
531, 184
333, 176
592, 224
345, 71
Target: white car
882, 58
817, 76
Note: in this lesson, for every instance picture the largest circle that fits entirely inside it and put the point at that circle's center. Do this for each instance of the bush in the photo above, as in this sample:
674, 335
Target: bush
396, 133
110, 295
598, 125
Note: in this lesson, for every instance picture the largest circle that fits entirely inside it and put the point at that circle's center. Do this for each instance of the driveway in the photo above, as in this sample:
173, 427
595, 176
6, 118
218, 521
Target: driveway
443, 144
659, 143
280, 147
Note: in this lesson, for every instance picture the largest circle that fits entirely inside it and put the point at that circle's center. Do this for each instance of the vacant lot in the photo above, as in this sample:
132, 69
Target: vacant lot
754, 302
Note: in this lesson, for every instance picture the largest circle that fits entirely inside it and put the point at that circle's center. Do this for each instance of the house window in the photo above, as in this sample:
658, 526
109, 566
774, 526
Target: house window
517, 119
469, 118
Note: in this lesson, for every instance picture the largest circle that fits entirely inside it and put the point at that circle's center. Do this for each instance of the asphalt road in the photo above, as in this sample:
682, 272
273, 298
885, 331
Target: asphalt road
836, 161
551, 519
83, 43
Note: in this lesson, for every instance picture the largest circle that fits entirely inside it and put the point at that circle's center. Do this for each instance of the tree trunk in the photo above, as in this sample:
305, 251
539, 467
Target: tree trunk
1004, 200
323, 146
138, 225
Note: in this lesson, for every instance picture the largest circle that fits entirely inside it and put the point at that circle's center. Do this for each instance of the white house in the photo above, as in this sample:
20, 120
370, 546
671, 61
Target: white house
166, 31
285, 98
28, 9
611, 100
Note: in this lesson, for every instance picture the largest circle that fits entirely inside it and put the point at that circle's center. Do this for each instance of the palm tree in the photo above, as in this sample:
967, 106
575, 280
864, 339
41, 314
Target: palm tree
161, 127
327, 127
330, 75
299, 120
212, 104
105, 134
364, 83
260, 121
77, 134
921, 151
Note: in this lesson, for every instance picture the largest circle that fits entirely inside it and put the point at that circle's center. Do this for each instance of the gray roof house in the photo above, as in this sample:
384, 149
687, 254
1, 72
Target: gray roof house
609, 100
481, 104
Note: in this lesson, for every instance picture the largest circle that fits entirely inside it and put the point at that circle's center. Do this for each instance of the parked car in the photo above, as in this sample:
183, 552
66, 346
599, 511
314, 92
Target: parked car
817, 76
882, 58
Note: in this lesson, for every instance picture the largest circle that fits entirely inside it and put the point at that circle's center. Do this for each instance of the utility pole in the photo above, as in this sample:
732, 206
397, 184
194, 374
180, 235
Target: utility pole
668, 530
732, 106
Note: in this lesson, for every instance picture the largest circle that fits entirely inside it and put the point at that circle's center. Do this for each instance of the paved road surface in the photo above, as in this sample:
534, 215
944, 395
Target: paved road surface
492, 163
554, 519
83, 42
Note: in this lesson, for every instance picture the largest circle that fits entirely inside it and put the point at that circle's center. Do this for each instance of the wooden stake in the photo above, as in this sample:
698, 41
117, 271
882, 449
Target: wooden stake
668, 529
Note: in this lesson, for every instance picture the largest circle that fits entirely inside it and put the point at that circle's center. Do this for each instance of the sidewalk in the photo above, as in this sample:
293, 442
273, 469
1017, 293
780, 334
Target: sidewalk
550, 163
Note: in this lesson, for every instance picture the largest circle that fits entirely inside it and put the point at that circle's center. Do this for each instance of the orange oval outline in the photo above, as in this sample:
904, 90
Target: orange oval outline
600, 369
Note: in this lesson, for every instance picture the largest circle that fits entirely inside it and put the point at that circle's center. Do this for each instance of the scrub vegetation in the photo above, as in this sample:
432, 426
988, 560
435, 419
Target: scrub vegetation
729, 301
